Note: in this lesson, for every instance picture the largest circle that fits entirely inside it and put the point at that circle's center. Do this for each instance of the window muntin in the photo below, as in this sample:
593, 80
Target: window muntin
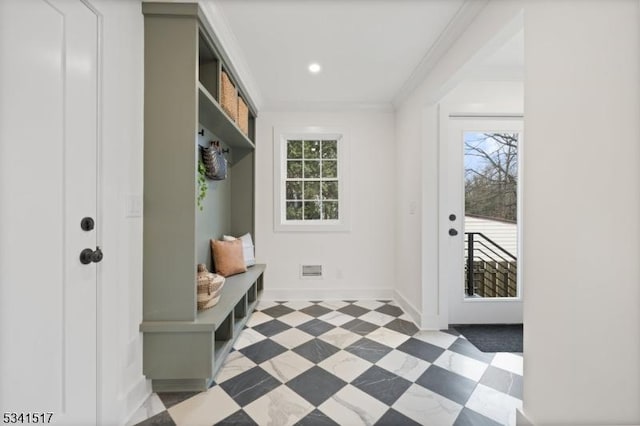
312, 183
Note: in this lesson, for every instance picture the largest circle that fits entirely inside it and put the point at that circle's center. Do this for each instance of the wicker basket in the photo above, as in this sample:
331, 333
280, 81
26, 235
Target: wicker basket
243, 116
209, 288
229, 97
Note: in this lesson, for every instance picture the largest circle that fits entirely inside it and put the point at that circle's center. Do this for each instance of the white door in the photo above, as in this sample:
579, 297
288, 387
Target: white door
48, 155
483, 236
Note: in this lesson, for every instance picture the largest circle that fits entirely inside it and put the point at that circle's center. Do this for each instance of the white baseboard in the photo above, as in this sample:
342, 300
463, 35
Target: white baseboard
327, 294
136, 396
408, 307
521, 419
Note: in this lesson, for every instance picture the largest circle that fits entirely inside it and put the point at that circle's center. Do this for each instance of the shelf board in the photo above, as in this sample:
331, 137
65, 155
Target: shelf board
212, 116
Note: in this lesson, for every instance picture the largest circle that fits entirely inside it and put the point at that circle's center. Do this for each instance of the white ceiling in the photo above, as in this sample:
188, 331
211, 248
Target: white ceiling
368, 49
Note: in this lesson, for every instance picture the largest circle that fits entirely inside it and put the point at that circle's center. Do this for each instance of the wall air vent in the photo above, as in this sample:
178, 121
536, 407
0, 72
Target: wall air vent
311, 271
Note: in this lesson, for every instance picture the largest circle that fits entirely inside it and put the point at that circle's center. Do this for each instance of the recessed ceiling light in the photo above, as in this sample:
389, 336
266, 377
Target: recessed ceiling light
314, 68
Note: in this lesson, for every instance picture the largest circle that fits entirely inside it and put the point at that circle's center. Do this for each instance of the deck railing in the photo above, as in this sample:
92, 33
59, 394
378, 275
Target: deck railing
490, 270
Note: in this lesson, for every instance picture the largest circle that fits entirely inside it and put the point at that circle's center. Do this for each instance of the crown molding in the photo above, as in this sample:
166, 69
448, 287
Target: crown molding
229, 43
454, 29
304, 106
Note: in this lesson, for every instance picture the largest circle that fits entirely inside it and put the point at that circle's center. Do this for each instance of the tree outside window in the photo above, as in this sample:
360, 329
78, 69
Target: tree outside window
312, 181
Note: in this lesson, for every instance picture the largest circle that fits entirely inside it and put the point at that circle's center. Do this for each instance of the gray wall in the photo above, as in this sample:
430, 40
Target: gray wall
215, 218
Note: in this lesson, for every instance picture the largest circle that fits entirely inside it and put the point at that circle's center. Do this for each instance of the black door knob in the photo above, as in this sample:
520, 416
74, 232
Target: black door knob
87, 256
97, 255
453, 232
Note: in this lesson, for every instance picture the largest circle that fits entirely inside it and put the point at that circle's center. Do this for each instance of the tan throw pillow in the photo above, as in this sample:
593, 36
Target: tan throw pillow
247, 248
227, 257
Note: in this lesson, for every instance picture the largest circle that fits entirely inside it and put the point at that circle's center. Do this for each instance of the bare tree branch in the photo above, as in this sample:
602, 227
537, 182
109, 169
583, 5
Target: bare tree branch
491, 183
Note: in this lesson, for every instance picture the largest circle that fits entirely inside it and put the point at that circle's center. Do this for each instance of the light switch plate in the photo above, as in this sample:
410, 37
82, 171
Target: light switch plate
413, 206
133, 205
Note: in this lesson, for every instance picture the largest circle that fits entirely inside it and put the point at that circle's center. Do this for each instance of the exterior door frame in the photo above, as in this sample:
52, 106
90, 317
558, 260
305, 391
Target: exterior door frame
447, 113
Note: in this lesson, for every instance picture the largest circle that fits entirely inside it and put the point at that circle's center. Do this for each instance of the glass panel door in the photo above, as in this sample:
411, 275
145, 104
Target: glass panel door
491, 214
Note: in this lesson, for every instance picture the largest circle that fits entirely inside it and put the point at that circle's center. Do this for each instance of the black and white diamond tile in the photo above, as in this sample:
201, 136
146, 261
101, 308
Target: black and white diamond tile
239, 418
316, 350
249, 386
292, 338
368, 349
387, 337
262, 351
403, 365
360, 327
390, 309
420, 349
381, 384
395, 418
354, 310
377, 318
236, 363
315, 310
196, 410
502, 380
447, 383
351, 406
316, 418
298, 305
295, 318
461, 364
286, 366
271, 328
278, 310
340, 337
316, 385
343, 363
402, 326
281, 406
316, 327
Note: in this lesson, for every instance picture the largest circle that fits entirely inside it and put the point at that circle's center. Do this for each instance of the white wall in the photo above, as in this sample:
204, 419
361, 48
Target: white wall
409, 207
358, 264
417, 162
582, 206
485, 97
122, 385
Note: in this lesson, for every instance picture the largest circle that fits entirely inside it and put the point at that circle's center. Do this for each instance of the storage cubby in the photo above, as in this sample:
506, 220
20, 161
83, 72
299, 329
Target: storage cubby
240, 311
208, 67
225, 330
183, 348
252, 294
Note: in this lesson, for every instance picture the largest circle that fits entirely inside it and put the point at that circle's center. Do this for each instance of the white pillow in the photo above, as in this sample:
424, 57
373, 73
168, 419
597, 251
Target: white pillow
247, 248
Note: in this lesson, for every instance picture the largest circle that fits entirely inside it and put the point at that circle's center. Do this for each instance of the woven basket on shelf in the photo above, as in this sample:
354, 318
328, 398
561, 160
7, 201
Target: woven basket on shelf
228, 97
243, 116
209, 288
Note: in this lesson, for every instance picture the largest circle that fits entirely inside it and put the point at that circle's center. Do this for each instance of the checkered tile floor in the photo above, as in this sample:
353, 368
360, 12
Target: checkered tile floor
347, 363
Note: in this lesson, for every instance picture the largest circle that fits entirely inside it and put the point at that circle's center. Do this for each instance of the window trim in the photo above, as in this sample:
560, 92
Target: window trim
280, 138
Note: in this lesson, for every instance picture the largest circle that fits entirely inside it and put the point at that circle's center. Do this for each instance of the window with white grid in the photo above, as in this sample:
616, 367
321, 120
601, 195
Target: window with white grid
311, 191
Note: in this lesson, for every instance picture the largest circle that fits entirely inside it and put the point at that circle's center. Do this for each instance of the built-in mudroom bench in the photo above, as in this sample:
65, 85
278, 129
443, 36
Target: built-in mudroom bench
193, 97
186, 355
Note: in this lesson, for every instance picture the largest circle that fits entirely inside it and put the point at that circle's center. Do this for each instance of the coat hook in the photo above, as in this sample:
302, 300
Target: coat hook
201, 132
225, 151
